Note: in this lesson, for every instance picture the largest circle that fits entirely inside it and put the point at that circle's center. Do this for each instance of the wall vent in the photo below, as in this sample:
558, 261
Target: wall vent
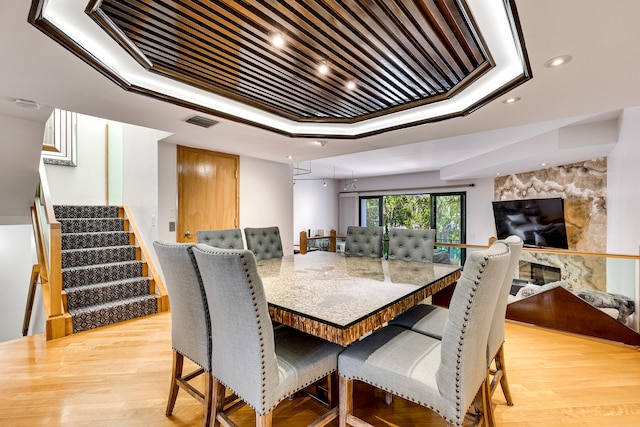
202, 121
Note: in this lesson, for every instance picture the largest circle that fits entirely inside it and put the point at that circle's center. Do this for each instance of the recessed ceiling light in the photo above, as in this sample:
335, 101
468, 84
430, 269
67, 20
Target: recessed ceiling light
289, 157
543, 164
558, 61
323, 68
511, 100
351, 85
277, 40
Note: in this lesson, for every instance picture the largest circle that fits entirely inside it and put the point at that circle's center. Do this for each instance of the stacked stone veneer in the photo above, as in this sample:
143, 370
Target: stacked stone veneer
583, 186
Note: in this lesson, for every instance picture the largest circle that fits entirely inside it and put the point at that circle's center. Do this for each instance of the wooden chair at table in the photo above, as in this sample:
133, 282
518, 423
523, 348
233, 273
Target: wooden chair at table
445, 375
430, 320
262, 365
190, 323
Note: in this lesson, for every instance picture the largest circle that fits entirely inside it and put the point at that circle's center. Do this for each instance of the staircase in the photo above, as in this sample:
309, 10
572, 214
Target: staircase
104, 280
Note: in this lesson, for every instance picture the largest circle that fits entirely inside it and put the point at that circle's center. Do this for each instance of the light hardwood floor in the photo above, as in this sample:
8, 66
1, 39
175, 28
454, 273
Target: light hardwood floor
119, 376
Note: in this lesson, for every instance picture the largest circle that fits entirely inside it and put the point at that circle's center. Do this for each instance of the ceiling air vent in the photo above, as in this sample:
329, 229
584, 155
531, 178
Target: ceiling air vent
202, 121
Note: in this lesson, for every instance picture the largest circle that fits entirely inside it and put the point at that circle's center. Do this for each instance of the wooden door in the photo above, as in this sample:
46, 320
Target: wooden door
208, 188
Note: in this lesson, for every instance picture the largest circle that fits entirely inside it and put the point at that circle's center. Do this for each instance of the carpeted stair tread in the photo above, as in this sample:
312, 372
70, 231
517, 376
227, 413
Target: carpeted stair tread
85, 275
85, 211
91, 225
101, 276
94, 240
112, 312
91, 256
101, 293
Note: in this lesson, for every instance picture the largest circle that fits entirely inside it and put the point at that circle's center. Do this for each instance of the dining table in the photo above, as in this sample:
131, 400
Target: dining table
343, 298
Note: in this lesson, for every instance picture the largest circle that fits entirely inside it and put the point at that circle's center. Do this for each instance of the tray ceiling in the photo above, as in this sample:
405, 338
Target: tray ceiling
397, 54
404, 58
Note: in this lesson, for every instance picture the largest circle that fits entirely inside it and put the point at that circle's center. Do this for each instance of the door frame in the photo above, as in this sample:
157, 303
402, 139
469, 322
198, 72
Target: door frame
180, 149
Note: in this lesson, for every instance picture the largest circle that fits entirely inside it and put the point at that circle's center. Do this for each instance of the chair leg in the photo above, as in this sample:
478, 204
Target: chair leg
264, 420
217, 402
208, 399
487, 409
482, 407
504, 384
178, 364
346, 400
332, 390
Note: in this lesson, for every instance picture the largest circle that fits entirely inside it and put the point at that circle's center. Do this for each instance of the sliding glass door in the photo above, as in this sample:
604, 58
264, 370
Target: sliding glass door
444, 212
450, 222
371, 212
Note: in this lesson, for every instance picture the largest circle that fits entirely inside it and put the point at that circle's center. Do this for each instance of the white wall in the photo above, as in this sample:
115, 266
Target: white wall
314, 206
21, 146
623, 196
84, 184
115, 151
17, 256
266, 195
480, 225
623, 205
140, 178
167, 190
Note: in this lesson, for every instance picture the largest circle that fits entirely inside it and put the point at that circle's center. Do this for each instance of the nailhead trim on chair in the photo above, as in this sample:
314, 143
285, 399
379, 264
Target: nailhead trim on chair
262, 355
463, 331
261, 337
364, 380
461, 412
204, 300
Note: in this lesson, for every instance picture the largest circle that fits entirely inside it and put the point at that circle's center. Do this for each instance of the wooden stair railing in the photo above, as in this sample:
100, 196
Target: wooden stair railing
304, 241
48, 237
157, 285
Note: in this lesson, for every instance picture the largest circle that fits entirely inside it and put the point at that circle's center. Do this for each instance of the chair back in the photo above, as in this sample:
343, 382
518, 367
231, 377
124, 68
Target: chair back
241, 332
496, 333
411, 245
363, 241
463, 365
190, 322
265, 242
230, 238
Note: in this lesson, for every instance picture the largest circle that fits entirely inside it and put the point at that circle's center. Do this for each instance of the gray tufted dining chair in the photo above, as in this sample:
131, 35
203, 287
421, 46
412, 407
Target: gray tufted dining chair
265, 242
446, 375
363, 241
430, 320
261, 365
190, 323
230, 238
411, 245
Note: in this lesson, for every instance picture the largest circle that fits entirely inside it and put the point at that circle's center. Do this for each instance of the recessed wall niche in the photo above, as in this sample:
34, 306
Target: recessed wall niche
583, 186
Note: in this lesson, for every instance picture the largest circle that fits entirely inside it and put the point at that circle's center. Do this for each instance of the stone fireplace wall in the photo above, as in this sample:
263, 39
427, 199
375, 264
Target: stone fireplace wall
583, 186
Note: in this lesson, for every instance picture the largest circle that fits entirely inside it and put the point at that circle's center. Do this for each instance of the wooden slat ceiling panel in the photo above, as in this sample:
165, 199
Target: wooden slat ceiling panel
400, 53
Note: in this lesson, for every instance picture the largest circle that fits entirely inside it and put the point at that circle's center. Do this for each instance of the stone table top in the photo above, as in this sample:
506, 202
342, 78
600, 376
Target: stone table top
340, 291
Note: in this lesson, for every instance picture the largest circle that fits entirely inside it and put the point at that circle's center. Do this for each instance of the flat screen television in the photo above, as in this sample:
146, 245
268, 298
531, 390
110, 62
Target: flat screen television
539, 222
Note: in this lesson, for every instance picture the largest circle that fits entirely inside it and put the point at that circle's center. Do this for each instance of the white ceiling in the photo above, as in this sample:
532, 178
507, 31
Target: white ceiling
602, 79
